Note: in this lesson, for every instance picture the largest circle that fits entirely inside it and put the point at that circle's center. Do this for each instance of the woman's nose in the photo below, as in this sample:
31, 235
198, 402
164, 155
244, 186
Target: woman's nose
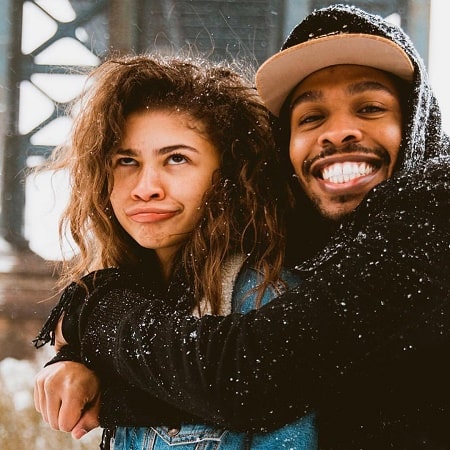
148, 186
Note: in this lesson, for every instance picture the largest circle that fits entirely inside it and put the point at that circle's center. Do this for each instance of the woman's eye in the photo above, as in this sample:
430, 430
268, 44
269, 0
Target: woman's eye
126, 162
176, 158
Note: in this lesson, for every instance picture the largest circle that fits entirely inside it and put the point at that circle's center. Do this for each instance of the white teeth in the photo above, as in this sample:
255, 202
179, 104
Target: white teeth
344, 172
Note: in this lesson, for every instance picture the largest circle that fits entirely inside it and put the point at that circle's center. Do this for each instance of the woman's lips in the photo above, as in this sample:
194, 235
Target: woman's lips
150, 215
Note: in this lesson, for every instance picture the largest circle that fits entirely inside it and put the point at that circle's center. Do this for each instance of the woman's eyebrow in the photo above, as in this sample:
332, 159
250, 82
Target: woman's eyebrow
161, 151
171, 148
124, 152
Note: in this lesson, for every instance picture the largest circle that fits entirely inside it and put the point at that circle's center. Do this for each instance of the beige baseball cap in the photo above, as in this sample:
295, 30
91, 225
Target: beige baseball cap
280, 74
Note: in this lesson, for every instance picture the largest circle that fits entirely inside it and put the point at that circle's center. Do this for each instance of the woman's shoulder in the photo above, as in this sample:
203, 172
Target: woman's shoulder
245, 294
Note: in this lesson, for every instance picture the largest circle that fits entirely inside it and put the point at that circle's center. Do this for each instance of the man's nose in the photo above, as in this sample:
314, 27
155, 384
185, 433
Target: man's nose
148, 185
340, 130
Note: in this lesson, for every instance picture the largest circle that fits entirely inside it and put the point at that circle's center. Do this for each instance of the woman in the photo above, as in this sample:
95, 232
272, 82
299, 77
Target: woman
175, 183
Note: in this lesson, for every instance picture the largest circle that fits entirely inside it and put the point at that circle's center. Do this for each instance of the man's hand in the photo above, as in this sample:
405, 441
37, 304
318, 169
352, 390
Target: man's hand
67, 394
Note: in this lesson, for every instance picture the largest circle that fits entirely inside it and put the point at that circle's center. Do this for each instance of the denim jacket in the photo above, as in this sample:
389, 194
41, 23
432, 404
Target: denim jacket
298, 435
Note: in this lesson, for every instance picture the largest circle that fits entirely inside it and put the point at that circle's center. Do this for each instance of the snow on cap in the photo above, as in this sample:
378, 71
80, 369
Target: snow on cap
280, 74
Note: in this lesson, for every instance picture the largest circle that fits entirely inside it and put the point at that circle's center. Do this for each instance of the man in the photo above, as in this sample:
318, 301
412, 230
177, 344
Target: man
363, 340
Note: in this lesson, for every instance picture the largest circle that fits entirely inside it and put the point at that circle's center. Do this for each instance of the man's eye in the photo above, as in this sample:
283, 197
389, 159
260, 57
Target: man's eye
310, 118
367, 109
176, 158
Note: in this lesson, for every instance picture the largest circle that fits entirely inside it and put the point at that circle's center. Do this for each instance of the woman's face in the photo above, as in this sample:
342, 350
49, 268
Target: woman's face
161, 170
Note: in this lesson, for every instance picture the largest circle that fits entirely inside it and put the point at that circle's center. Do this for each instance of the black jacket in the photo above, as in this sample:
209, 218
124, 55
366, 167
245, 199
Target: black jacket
363, 340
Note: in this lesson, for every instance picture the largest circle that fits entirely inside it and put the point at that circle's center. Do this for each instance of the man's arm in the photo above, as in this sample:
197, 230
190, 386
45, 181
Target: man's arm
67, 394
379, 291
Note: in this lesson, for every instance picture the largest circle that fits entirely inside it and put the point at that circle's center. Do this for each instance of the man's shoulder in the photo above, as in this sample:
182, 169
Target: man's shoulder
435, 169
428, 181
411, 198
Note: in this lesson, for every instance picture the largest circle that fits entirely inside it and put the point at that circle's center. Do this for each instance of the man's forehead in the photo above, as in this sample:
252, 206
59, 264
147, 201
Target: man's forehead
354, 79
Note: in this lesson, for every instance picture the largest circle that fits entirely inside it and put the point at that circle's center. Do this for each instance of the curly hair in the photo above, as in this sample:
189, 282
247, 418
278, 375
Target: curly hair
244, 209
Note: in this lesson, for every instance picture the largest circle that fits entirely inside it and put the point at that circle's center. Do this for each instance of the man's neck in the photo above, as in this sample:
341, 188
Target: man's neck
308, 233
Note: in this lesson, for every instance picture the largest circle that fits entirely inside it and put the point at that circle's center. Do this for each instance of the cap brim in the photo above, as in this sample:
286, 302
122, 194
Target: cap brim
281, 73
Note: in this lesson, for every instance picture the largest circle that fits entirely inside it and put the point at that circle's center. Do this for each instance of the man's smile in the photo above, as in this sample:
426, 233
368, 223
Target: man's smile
347, 171
340, 168
349, 168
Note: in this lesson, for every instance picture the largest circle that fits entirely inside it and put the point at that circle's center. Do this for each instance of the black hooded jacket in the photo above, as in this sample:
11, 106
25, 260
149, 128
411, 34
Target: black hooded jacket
363, 340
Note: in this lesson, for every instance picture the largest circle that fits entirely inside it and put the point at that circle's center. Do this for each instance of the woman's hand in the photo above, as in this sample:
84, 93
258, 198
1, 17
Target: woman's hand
67, 394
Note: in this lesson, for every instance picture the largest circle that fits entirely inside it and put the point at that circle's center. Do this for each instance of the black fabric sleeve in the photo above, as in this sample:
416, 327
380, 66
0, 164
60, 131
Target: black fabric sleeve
376, 295
67, 353
121, 403
69, 307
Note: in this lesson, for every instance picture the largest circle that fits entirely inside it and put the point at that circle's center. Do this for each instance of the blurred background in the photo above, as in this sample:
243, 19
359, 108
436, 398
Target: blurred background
43, 46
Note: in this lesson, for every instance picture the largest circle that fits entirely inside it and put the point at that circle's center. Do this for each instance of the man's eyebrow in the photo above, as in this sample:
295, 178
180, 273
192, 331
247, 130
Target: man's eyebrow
307, 96
363, 86
355, 88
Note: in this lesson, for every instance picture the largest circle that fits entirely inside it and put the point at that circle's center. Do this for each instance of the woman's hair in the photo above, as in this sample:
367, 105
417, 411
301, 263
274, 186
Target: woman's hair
244, 208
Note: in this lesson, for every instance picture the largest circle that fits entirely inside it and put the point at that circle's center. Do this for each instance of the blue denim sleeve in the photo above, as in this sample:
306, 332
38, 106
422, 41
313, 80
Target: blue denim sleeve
244, 297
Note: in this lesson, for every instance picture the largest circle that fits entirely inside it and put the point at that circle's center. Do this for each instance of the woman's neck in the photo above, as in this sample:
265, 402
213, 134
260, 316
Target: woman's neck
166, 260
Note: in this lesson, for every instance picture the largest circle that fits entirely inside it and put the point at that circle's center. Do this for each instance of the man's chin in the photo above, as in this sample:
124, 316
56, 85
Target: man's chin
336, 211
335, 216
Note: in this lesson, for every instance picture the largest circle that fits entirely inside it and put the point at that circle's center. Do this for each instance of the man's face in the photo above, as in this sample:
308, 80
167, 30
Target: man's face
346, 128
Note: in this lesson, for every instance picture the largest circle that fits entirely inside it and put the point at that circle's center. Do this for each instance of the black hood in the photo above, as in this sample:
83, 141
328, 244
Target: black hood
423, 137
